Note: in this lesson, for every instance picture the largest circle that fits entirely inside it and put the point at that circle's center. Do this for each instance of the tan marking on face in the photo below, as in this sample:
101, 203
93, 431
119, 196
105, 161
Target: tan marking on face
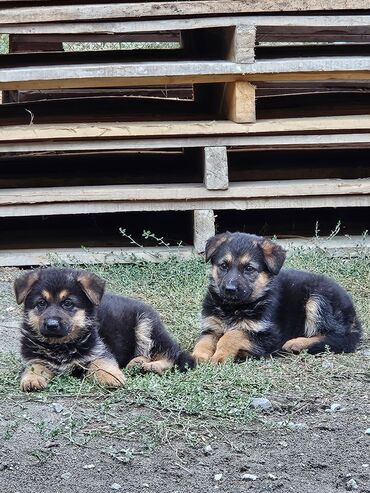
230, 345
36, 377
312, 313
64, 294
106, 372
245, 259
34, 320
260, 285
300, 343
46, 295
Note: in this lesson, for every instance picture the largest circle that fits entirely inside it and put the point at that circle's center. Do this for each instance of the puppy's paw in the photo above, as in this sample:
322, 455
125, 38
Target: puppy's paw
158, 366
296, 345
106, 373
201, 357
219, 357
137, 361
31, 382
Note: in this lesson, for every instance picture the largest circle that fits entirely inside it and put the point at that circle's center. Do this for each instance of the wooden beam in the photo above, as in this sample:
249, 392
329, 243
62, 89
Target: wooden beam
340, 140
97, 12
104, 131
204, 228
239, 102
216, 175
152, 73
141, 26
242, 40
182, 192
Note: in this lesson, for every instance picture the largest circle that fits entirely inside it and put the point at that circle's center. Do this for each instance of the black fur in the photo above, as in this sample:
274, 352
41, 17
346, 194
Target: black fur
271, 304
108, 330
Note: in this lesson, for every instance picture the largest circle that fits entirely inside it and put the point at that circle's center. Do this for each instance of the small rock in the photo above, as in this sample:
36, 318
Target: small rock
367, 432
327, 364
145, 485
115, 486
364, 465
66, 475
336, 407
272, 477
89, 466
217, 477
297, 426
283, 443
249, 477
351, 485
3, 467
208, 450
366, 352
261, 403
51, 444
57, 408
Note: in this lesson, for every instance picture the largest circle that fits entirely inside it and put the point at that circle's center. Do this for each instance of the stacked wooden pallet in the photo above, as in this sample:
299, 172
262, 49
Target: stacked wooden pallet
240, 109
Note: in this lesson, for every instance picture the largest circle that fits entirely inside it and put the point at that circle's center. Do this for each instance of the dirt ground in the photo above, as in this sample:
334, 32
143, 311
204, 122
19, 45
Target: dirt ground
315, 438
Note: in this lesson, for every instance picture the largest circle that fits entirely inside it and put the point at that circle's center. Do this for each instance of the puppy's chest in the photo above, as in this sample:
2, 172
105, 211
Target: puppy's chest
220, 322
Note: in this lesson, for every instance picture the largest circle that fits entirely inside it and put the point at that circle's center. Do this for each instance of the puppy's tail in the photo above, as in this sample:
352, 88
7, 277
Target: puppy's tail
184, 361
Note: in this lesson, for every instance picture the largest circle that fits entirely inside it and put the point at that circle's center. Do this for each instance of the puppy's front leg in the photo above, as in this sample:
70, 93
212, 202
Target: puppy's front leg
106, 371
36, 377
230, 344
205, 347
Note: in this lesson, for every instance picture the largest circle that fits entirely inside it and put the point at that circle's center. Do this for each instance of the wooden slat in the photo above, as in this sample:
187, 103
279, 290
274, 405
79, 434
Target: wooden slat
104, 131
147, 73
129, 26
169, 9
182, 192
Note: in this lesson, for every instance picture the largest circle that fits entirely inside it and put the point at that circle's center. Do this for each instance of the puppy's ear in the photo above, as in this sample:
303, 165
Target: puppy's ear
274, 255
92, 285
23, 285
214, 243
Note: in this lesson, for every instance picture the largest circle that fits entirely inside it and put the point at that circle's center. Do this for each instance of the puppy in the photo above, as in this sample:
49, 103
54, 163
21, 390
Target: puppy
71, 325
252, 308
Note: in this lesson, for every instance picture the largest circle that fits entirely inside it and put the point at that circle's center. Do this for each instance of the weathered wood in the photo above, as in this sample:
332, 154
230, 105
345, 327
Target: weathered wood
204, 228
104, 131
129, 26
152, 73
215, 168
92, 255
239, 102
242, 39
183, 192
251, 142
340, 246
169, 9
61, 208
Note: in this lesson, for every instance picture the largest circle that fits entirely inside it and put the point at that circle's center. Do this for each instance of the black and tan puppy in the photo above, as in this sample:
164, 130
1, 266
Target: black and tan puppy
71, 325
252, 308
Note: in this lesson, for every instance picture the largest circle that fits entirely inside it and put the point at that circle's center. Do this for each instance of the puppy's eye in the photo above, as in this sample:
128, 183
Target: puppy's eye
223, 266
249, 269
41, 304
67, 304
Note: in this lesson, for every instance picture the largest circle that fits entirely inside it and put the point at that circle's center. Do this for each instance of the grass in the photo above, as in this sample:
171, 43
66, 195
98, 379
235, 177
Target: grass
183, 405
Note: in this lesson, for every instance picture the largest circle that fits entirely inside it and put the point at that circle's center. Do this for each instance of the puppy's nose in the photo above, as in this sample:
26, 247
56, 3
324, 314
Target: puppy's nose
52, 324
230, 288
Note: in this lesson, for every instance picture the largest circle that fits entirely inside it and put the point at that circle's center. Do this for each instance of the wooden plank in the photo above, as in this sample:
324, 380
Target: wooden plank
216, 176
92, 255
152, 73
340, 246
142, 26
239, 102
204, 228
182, 192
242, 40
251, 142
104, 131
186, 205
169, 9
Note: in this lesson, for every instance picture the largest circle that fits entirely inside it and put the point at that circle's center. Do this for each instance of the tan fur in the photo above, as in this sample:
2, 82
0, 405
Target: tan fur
245, 259
205, 347
215, 244
143, 333
247, 325
34, 320
137, 361
106, 372
36, 377
63, 294
300, 343
46, 295
78, 322
312, 311
159, 365
259, 285
230, 345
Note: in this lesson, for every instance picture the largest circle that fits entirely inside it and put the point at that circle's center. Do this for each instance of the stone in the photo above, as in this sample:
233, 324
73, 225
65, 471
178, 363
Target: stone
351, 485
115, 486
297, 426
249, 477
217, 477
89, 466
208, 450
57, 408
261, 403
367, 432
66, 475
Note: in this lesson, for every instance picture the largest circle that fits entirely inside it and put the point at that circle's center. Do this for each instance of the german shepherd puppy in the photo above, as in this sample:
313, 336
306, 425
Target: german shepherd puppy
252, 308
70, 324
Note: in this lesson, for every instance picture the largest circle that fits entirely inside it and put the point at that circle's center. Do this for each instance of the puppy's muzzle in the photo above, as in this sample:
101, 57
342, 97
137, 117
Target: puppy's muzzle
53, 327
